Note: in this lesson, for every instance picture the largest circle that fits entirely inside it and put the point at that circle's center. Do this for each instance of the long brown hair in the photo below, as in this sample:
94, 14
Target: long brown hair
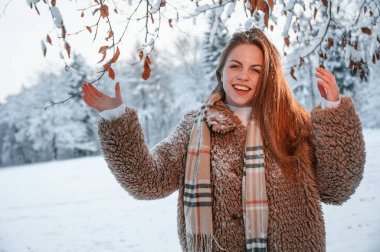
284, 123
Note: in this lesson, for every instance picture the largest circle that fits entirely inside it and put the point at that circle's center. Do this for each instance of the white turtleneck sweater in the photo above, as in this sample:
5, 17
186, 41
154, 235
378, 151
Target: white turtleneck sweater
243, 113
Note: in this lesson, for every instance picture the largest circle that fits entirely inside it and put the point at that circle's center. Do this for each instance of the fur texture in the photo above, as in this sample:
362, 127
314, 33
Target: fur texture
329, 169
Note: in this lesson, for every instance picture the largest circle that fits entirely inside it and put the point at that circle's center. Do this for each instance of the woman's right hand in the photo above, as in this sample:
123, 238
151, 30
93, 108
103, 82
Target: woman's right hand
100, 101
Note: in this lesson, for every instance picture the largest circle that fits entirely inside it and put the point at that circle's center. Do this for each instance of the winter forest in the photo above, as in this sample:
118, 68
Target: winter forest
56, 190
182, 77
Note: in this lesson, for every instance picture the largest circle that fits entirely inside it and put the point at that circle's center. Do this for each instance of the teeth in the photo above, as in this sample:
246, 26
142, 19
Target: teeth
241, 88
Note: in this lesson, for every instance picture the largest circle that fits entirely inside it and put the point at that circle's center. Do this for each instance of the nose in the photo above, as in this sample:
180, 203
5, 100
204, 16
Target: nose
243, 75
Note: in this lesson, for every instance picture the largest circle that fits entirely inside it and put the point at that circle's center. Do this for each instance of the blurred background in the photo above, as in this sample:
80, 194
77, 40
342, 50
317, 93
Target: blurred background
56, 191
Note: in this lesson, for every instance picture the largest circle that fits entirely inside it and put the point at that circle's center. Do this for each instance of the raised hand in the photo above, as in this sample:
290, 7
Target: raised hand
327, 85
100, 101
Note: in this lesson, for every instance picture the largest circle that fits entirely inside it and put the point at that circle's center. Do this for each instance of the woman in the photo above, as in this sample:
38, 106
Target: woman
252, 165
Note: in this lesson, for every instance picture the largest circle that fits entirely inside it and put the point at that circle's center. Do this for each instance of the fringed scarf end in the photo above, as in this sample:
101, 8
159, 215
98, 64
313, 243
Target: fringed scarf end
201, 243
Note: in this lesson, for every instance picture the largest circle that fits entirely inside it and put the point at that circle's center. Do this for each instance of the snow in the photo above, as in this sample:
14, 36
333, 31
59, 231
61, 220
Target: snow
229, 8
32, 2
58, 21
155, 6
77, 205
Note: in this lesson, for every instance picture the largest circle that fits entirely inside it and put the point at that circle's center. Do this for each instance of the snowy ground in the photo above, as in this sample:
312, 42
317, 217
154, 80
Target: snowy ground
77, 205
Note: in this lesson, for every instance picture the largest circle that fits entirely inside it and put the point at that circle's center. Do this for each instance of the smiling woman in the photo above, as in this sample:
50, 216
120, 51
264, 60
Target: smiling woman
251, 165
241, 74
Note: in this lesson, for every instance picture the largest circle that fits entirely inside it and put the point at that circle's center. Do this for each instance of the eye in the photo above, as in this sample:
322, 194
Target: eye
256, 70
233, 66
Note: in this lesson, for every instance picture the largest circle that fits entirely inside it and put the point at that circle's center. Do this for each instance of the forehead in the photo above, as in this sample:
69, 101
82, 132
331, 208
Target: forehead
246, 53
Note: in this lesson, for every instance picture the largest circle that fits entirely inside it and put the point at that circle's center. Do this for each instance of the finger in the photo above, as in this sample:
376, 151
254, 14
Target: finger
90, 103
118, 91
89, 93
322, 89
95, 90
327, 73
333, 85
87, 101
91, 100
325, 78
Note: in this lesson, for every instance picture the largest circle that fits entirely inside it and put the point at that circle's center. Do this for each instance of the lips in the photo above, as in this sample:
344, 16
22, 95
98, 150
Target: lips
241, 91
241, 87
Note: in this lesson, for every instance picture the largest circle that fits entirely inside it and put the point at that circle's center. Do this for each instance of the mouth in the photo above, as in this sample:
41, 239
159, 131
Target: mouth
241, 89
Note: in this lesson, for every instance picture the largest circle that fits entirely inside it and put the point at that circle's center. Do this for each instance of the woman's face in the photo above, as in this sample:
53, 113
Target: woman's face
241, 74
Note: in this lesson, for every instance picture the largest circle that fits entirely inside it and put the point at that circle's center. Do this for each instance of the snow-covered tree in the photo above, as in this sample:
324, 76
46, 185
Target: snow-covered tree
33, 134
215, 39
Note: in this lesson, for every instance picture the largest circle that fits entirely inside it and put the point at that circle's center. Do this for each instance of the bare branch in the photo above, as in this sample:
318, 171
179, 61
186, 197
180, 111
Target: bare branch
4, 9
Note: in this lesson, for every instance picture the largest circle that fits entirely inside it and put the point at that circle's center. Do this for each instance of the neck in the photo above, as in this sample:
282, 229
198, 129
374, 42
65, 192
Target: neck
244, 113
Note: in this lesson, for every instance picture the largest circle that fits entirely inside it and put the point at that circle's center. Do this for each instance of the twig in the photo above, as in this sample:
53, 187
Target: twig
5, 7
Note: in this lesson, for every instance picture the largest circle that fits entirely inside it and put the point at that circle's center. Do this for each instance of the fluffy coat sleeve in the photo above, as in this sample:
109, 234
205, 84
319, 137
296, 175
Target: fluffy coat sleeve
339, 151
144, 173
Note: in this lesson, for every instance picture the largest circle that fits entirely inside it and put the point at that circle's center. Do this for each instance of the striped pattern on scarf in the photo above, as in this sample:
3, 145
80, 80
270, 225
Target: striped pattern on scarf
197, 196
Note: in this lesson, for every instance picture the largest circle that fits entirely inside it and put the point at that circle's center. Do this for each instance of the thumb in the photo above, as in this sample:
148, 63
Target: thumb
117, 91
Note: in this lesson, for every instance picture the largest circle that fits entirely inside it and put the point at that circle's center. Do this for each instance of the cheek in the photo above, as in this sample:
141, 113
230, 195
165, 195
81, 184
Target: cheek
225, 80
226, 76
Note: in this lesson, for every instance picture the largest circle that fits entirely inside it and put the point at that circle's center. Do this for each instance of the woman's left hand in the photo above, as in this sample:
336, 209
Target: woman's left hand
327, 85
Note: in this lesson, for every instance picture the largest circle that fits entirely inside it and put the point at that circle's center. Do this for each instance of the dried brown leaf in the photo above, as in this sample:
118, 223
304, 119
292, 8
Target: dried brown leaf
271, 4
292, 71
146, 74
104, 55
287, 41
302, 61
68, 48
116, 56
104, 11
111, 73
253, 5
103, 48
330, 42
147, 60
263, 6
366, 30
63, 32
48, 39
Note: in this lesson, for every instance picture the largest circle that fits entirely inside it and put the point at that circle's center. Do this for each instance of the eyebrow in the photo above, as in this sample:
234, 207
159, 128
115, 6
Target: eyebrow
256, 65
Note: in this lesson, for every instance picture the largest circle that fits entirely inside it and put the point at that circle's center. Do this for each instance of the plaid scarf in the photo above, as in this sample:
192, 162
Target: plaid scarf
197, 196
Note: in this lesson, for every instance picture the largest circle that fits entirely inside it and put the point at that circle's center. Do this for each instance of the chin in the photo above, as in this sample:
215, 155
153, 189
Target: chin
241, 102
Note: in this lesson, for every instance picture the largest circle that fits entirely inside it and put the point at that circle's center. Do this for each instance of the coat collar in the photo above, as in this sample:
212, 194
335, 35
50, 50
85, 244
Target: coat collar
220, 118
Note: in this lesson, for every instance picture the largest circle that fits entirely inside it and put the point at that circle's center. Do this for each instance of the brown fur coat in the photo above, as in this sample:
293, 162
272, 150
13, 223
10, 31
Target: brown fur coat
329, 170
